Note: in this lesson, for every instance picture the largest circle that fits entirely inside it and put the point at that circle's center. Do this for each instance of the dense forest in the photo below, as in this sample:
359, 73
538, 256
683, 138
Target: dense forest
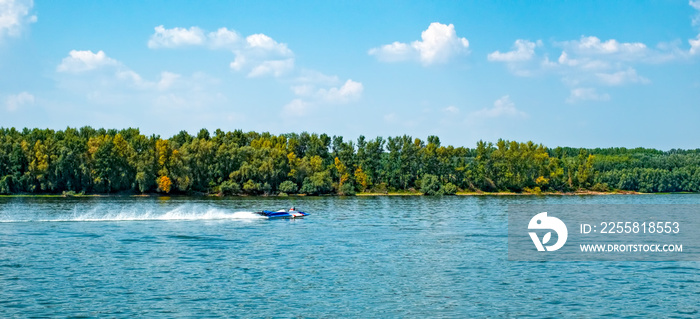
88, 160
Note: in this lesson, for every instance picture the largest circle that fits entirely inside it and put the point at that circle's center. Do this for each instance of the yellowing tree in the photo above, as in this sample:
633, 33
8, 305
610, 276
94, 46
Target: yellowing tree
361, 179
342, 171
164, 184
541, 181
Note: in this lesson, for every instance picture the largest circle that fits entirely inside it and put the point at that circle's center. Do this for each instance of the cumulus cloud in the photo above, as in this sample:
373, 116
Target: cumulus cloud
223, 38
438, 44
257, 54
262, 55
585, 56
502, 107
349, 91
523, 50
14, 102
262, 42
15, 15
176, 37
81, 61
590, 61
586, 94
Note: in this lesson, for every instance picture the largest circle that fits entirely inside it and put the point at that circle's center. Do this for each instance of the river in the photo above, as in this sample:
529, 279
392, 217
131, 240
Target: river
387, 256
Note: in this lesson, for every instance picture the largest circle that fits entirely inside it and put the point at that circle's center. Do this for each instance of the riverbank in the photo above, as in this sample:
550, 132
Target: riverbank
510, 193
577, 193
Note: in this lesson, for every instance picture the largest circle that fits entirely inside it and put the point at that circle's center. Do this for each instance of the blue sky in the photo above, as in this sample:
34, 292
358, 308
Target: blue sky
582, 74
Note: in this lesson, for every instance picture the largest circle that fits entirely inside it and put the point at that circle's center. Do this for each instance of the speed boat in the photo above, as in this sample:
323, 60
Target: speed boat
292, 213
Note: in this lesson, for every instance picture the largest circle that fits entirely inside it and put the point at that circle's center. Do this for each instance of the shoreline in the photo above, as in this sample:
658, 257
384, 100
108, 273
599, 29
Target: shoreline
367, 194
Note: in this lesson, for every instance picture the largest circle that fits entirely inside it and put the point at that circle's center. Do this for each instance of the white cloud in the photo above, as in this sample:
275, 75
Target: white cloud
262, 42
263, 55
349, 91
502, 107
16, 101
586, 94
584, 63
81, 61
176, 37
592, 45
622, 77
223, 38
315, 77
451, 109
271, 67
167, 80
296, 107
523, 50
78, 62
393, 52
590, 61
696, 5
104, 89
438, 44
257, 55
694, 45
15, 16
309, 96
238, 63
129, 75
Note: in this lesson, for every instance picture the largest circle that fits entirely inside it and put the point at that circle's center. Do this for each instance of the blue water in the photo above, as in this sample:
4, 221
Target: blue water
357, 256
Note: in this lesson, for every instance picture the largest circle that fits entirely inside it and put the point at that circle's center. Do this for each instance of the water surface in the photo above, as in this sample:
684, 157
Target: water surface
354, 256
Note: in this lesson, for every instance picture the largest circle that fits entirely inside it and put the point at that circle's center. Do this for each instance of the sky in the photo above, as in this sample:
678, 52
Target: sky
561, 73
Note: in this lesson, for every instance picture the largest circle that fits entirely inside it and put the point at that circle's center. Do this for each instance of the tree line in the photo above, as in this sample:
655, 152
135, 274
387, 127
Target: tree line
88, 160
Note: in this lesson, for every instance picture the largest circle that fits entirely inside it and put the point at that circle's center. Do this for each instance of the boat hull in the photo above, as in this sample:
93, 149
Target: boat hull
282, 214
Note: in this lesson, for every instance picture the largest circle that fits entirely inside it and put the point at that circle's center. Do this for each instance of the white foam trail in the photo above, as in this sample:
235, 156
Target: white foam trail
179, 213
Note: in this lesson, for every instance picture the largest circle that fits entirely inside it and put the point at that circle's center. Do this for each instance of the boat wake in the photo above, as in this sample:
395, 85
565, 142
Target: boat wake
99, 214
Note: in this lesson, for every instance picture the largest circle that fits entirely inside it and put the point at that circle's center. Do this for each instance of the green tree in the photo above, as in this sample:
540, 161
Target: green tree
288, 187
430, 185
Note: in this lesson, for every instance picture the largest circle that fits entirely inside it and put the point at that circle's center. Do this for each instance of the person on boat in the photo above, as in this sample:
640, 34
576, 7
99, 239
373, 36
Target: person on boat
292, 209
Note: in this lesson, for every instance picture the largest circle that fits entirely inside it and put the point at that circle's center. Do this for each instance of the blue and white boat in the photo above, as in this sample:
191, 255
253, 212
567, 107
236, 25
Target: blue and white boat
291, 213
